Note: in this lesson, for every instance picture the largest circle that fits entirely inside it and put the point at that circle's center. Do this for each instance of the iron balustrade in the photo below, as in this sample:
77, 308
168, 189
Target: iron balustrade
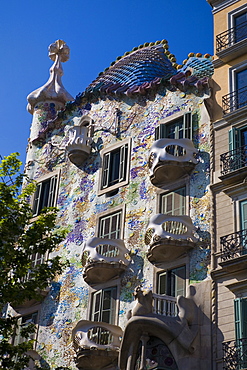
233, 160
231, 36
233, 245
234, 100
235, 354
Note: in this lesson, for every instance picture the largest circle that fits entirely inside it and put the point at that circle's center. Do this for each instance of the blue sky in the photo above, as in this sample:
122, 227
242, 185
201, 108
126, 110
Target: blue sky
97, 32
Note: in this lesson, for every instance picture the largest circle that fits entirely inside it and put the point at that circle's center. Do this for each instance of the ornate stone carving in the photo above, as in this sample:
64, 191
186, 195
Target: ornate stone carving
107, 259
171, 159
79, 140
176, 332
53, 90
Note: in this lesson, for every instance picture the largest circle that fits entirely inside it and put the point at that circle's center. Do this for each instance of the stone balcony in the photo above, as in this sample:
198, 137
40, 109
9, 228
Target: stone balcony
107, 259
169, 237
79, 140
171, 159
96, 344
165, 305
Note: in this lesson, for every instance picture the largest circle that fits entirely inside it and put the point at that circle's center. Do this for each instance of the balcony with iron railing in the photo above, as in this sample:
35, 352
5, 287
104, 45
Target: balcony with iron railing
169, 237
234, 165
171, 159
235, 354
234, 100
105, 259
233, 245
96, 344
231, 36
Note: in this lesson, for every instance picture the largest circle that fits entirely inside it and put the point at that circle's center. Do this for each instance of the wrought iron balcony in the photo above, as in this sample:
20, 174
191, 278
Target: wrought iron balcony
169, 237
96, 344
231, 36
233, 160
171, 159
235, 354
165, 305
234, 100
106, 259
233, 245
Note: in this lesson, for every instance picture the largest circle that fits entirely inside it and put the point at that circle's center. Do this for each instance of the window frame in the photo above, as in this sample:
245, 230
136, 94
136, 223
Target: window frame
170, 281
233, 73
110, 212
42, 180
166, 266
17, 339
240, 317
187, 116
233, 14
101, 310
124, 148
172, 192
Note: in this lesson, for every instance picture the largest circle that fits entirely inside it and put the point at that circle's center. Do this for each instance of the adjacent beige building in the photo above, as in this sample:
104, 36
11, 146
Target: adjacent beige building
229, 191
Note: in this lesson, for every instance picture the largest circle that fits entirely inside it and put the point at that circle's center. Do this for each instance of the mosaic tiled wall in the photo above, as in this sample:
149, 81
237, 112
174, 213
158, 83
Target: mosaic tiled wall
79, 205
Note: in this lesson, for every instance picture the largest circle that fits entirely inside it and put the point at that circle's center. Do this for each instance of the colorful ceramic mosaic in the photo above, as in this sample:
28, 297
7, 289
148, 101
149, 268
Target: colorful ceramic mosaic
134, 115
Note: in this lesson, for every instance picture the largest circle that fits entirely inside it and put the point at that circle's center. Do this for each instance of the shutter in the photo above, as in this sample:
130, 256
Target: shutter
234, 139
187, 126
243, 214
52, 191
157, 133
162, 289
108, 305
36, 199
106, 170
96, 307
123, 162
160, 131
17, 337
240, 310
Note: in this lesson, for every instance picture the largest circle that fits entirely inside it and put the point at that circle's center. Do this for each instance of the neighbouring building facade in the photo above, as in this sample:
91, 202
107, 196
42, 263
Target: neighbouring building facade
229, 192
127, 162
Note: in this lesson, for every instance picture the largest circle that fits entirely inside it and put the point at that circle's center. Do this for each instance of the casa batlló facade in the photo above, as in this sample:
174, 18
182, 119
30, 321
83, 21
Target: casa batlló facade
127, 163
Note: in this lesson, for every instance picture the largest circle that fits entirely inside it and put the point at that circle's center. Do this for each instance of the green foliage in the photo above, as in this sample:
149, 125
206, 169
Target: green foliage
21, 237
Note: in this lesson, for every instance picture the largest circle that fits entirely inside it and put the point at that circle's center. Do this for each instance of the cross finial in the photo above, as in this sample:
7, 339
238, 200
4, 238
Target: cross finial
59, 49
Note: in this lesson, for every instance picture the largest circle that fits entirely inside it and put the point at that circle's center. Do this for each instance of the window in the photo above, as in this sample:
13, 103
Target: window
36, 259
240, 311
172, 282
178, 128
104, 305
237, 156
110, 226
23, 322
174, 203
45, 194
240, 23
115, 166
243, 215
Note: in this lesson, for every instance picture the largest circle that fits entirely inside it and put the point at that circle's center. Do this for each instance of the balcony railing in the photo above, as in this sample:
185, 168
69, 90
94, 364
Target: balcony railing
104, 259
233, 160
165, 305
107, 250
231, 36
79, 140
234, 100
170, 227
181, 150
235, 354
99, 335
233, 245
